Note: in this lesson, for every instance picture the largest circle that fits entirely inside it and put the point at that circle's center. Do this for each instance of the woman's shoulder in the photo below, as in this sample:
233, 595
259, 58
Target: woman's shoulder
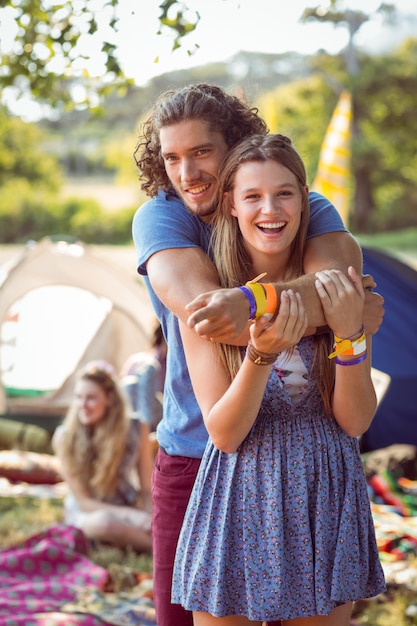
58, 437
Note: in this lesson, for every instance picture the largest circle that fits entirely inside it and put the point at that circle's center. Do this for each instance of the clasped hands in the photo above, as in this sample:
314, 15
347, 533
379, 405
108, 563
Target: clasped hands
222, 314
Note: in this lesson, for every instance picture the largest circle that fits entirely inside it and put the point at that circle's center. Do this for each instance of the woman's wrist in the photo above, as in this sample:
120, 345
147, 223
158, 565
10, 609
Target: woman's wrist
354, 337
260, 358
349, 360
355, 345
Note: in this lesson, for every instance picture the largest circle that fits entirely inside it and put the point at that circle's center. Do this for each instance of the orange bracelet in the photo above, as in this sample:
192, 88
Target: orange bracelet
271, 298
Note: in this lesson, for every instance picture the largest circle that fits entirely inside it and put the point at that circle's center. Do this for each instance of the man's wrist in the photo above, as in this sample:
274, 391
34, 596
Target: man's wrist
322, 330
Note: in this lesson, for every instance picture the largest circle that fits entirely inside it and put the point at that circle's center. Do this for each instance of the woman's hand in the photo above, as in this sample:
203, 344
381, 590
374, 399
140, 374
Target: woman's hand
135, 517
144, 501
286, 330
343, 300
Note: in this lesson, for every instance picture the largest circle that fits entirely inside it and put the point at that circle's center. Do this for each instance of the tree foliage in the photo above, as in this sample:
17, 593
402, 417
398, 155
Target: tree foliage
30, 206
55, 42
21, 156
300, 109
385, 100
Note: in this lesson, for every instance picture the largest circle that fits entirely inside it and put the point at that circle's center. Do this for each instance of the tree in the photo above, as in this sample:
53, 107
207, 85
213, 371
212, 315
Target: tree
300, 109
350, 19
364, 202
385, 153
46, 58
21, 156
385, 100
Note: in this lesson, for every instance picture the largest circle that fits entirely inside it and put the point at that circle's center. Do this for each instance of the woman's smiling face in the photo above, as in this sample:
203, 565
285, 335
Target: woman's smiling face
92, 402
267, 202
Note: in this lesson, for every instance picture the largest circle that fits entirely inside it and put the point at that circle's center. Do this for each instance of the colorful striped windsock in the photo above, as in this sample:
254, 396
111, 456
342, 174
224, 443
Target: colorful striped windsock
332, 179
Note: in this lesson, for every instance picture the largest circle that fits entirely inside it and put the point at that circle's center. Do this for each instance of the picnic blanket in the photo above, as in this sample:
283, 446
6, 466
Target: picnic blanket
391, 475
48, 580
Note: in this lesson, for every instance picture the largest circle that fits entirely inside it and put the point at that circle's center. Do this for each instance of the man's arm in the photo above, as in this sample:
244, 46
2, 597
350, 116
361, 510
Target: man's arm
335, 250
180, 275
341, 247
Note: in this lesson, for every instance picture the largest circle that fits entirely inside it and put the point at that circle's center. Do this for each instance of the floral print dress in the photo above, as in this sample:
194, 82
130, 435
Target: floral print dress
282, 528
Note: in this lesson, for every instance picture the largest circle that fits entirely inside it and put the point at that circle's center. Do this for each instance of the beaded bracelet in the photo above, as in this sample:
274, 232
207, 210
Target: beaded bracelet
260, 358
252, 302
359, 359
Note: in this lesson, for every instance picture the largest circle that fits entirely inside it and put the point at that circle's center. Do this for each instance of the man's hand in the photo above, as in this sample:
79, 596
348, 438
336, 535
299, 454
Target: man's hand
221, 315
373, 312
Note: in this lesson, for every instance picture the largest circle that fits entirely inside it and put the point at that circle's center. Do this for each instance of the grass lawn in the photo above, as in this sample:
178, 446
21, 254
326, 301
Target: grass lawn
402, 244
400, 240
23, 516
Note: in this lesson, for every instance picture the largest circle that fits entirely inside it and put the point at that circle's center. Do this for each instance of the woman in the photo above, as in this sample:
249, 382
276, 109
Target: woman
106, 462
142, 378
279, 524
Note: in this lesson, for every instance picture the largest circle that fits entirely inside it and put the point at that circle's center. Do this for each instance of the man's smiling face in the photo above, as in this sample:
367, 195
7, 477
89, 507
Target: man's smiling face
192, 155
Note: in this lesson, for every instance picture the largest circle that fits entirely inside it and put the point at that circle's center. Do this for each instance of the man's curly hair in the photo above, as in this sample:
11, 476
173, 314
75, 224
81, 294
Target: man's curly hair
224, 113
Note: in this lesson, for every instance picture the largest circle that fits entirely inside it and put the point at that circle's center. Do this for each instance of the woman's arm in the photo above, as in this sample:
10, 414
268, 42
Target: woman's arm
354, 399
230, 408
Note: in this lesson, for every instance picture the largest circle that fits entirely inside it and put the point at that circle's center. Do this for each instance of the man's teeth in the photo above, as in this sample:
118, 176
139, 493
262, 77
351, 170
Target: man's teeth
198, 189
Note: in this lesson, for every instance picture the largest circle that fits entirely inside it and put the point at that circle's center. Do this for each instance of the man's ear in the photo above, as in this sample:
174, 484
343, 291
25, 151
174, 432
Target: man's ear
306, 190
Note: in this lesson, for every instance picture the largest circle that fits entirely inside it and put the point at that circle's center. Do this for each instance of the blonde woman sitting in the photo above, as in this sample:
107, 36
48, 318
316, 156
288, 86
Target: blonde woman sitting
106, 461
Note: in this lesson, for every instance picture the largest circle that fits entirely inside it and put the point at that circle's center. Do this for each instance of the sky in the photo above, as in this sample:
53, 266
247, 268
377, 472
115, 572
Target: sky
227, 27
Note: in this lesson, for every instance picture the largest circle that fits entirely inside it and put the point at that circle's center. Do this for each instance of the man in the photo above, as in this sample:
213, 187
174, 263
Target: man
179, 156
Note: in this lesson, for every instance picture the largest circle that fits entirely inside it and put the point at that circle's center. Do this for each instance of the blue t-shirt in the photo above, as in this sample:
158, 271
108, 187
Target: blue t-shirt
163, 223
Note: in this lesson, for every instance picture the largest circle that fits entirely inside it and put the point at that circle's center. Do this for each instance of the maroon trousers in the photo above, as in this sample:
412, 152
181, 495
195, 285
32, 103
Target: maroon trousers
173, 480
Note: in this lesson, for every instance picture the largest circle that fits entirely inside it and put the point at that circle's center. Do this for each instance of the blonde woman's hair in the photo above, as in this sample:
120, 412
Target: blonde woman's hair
96, 452
230, 254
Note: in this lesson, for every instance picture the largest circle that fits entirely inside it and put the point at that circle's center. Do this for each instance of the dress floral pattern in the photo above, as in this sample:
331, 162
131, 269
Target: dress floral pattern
282, 528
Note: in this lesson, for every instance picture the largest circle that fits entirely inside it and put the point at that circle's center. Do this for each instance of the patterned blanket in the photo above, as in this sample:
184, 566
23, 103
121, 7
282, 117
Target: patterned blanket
48, 580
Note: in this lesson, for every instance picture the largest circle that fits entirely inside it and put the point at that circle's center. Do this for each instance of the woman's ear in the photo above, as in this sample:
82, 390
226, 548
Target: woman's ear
228, 199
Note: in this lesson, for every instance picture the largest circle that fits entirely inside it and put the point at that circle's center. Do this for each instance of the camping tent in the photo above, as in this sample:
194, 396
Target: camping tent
394, 350
62, 305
